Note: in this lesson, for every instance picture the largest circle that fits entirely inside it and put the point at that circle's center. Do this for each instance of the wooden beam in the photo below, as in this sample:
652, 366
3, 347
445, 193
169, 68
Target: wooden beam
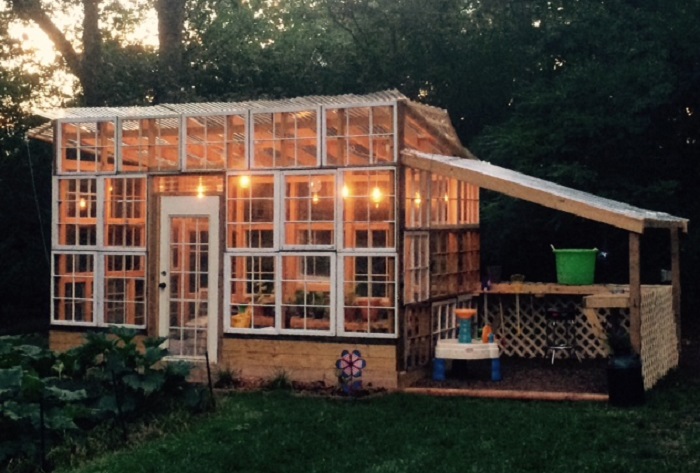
676, 282
635, 292
510, 188
539, 191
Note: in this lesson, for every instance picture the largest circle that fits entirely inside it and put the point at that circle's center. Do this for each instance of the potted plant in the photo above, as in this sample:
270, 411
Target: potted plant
625, 381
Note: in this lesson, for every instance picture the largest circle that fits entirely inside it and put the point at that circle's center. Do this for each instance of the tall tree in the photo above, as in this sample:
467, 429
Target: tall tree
102, 55
170, 84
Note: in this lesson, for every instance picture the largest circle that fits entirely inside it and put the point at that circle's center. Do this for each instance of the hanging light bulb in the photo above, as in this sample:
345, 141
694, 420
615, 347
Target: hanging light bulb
417, 200
200, 189
447, 197
82, 203
244, 182
314, 187
376, 196
345, 191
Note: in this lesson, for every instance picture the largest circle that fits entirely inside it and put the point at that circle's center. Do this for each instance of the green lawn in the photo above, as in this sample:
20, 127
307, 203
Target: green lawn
282, 432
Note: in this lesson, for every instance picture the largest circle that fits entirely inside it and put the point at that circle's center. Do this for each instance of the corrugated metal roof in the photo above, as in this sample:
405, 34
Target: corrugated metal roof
540, 191
92, 113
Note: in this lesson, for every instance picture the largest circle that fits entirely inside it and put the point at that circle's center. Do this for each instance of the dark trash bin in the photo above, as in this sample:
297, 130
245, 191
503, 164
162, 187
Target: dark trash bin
625, 382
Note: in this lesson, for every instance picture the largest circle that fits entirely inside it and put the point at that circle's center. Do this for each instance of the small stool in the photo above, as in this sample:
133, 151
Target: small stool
561, 332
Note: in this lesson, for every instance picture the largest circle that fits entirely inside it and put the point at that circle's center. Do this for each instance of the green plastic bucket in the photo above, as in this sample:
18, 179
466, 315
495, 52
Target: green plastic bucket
575, 267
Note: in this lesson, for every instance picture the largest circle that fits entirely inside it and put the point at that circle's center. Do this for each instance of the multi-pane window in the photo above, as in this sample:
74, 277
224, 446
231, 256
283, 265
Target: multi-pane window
369, 294
125, 289
417, 197
309, 210
251, 211
368, 209
77, 212
216, 142
285, 139
125, 212
416, 267
359, 136
306, 295
87, 146
453, 202
252, 291
150, 144
73, 288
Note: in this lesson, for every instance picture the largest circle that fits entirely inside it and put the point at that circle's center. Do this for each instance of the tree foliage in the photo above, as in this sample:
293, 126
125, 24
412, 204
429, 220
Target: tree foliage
601, 96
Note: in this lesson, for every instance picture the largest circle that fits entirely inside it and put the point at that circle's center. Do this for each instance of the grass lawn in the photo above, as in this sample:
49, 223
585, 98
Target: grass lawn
278, 431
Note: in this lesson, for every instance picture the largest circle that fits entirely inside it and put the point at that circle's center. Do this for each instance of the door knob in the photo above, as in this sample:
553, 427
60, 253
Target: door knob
162, 285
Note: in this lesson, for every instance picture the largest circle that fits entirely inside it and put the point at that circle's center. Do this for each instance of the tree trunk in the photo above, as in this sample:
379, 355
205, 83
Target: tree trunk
91, 67
170, 79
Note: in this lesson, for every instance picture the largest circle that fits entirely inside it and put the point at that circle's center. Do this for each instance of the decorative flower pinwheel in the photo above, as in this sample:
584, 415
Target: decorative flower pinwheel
350, 365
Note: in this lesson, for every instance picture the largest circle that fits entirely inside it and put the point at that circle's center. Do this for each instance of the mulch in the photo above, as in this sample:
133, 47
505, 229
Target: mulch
526, 374
540, 375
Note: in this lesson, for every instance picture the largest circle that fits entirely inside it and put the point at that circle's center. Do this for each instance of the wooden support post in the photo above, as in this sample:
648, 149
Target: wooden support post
676, 283
635, 292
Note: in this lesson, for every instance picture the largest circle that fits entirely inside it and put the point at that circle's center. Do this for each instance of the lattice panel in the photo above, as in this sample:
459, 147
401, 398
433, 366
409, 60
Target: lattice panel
521, 324
659, 335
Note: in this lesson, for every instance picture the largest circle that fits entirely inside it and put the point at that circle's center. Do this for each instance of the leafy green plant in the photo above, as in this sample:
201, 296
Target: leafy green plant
36, 408
127, 380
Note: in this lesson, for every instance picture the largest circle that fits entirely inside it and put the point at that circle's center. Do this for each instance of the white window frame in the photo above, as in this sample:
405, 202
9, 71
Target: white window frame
228, 256
58, 130
340, 209
340, 301
145, 169
98, 251
422, 271
245, 114
333, 296
282, 222
272, 111
380, 103
277, 219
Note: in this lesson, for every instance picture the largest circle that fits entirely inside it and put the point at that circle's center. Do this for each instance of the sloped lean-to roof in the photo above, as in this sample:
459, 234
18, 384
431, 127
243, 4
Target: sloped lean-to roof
546, 193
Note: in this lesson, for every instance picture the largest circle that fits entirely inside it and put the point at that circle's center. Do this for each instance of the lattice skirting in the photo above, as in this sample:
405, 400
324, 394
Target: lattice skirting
520, 324
659, 336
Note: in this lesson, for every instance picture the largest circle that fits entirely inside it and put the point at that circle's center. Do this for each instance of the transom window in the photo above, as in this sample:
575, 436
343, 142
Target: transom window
87, 146
285, 139
216, 142
150, 144
358, 136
